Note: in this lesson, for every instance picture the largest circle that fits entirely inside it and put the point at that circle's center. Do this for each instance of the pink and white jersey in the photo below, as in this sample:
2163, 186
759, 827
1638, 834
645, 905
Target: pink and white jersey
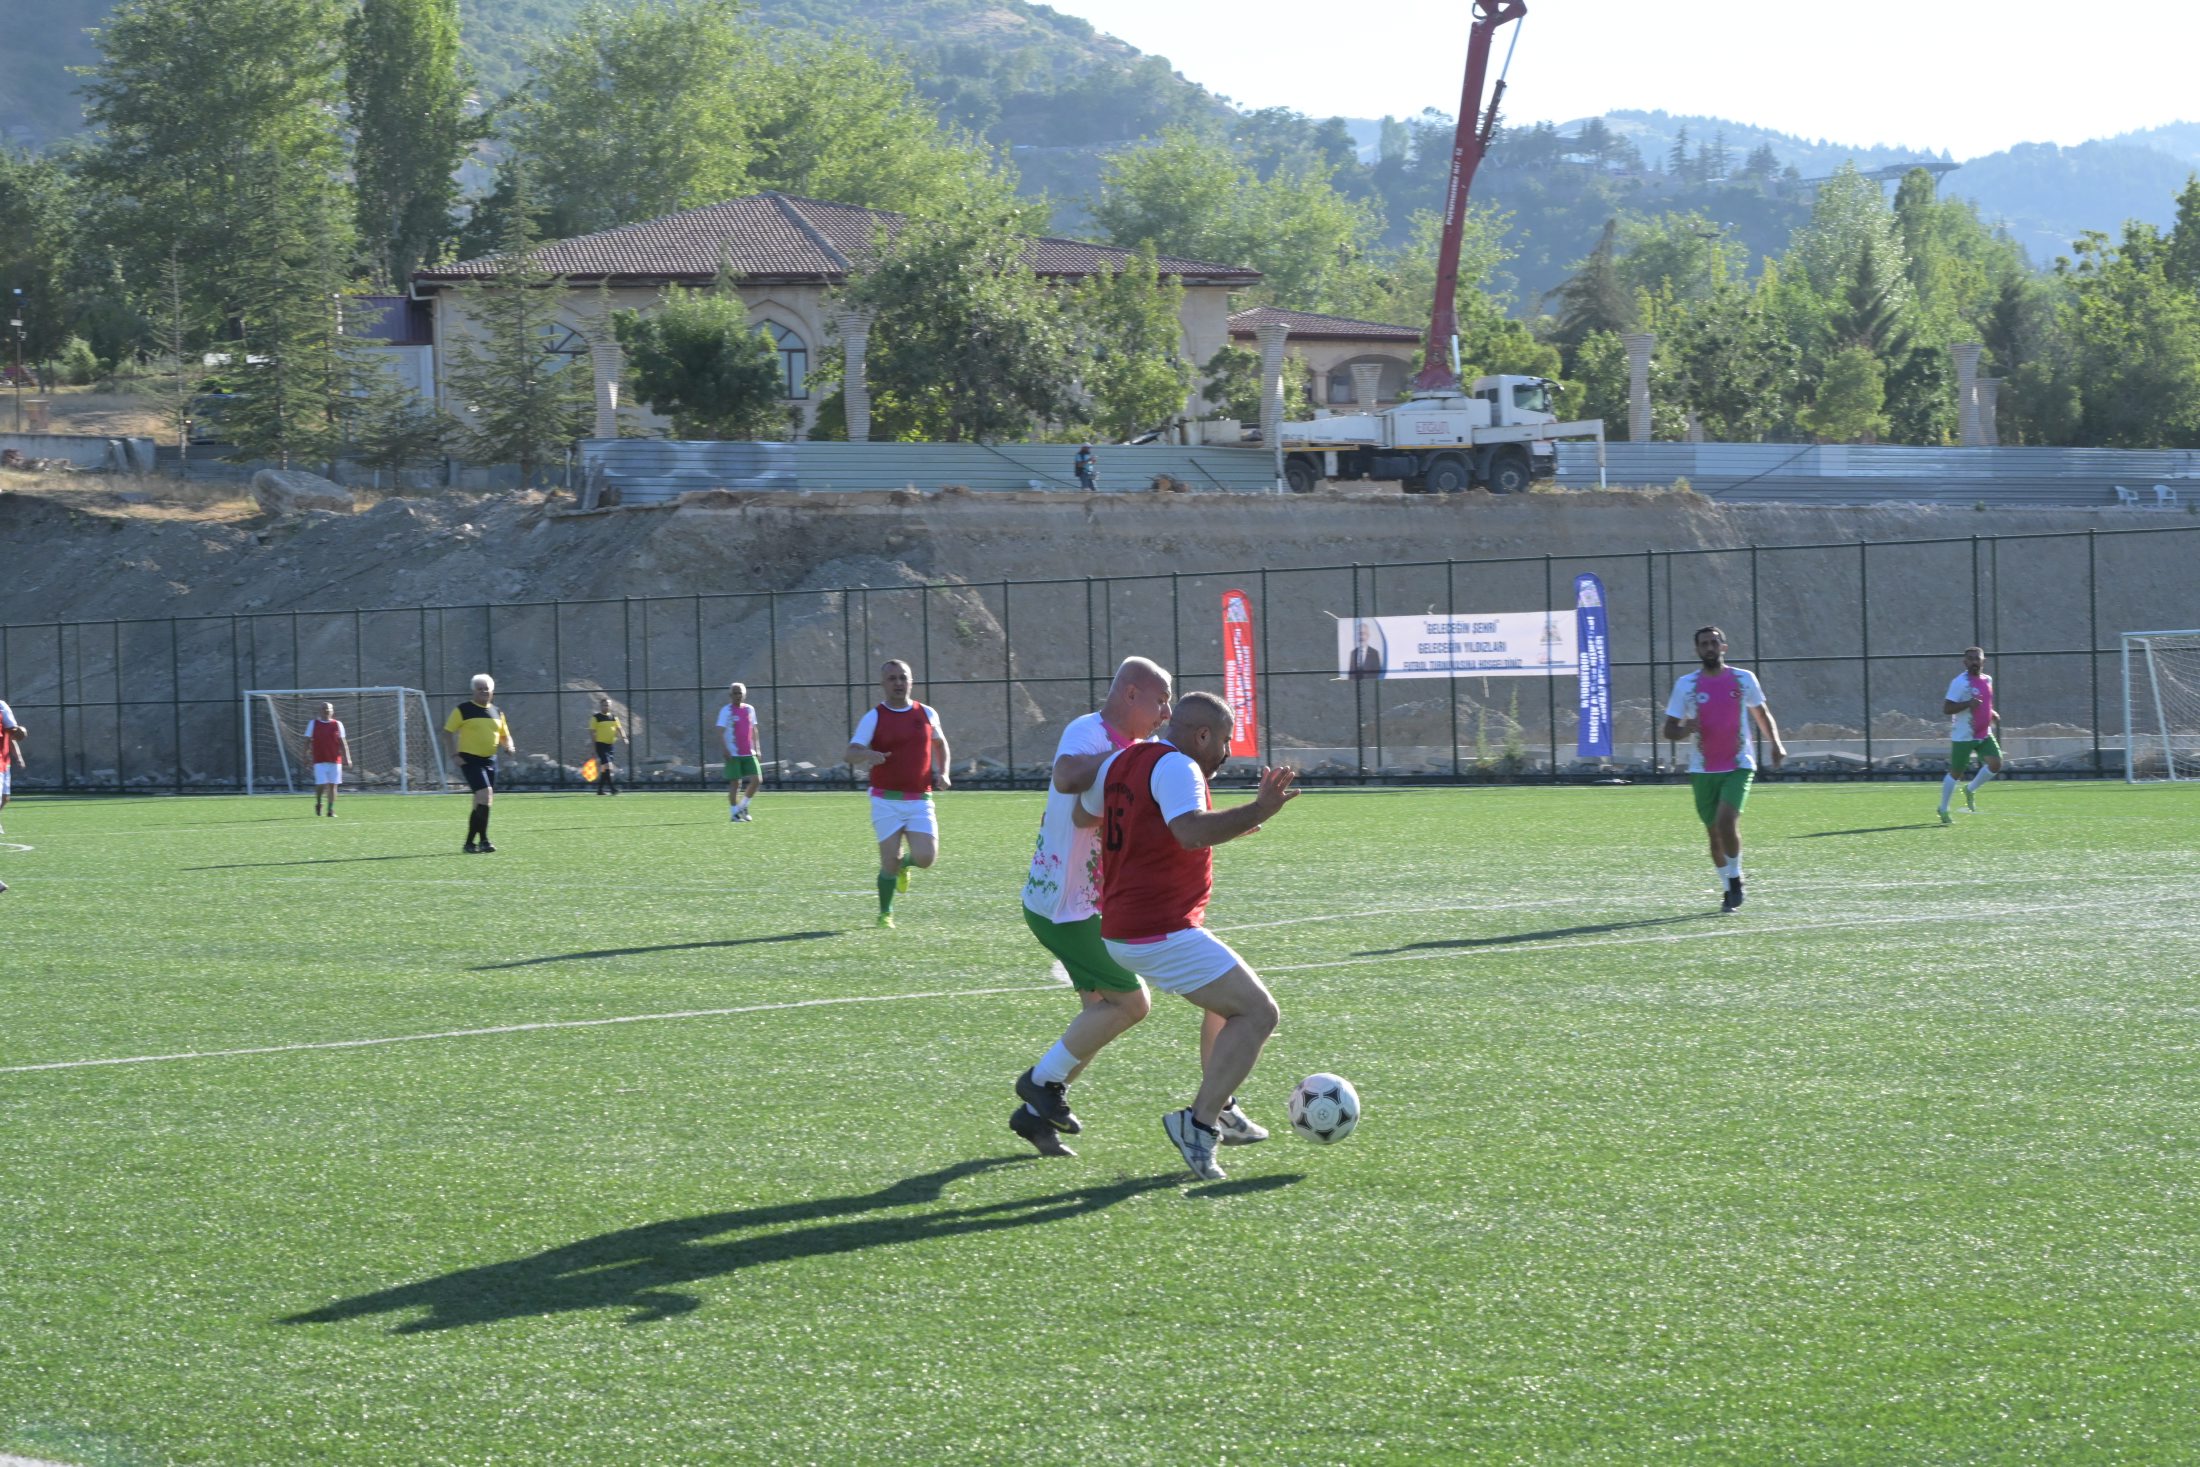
1976, 721
1064, 884
739, 727
1720, 703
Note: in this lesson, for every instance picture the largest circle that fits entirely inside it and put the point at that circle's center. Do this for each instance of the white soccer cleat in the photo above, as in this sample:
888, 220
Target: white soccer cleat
1236, 1128
1197, 1145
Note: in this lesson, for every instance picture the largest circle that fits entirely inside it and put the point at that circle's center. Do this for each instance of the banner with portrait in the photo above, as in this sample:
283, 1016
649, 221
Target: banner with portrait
1470, 644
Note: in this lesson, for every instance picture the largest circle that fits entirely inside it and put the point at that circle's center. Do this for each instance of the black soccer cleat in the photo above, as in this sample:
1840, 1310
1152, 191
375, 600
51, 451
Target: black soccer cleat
1733, 897
1050, 1101
470, 848
487, 849
1036, 1130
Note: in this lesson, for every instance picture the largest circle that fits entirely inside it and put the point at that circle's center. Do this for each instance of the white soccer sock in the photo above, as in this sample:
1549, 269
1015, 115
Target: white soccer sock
1983, 775
1947, 791
1732, 870
1055, 1065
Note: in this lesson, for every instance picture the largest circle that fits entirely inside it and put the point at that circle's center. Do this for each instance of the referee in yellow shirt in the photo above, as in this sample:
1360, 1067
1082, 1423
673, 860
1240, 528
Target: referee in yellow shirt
477, 731
604, 730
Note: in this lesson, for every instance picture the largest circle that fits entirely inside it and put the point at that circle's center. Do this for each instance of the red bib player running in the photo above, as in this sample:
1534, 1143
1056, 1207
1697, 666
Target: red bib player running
903, 746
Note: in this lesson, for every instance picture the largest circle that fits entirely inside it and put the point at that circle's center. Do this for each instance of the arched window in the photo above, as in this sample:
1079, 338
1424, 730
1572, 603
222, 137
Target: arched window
794, 362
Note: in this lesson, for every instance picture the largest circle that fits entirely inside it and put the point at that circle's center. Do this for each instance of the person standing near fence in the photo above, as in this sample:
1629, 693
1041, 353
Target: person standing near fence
1087, 468
1972, 734
605, 733
477, 729
331, 752
1717, 707
744, 758
902, 745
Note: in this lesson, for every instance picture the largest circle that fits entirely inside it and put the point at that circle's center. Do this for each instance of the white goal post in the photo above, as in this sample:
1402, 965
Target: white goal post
393, 744
2161, 705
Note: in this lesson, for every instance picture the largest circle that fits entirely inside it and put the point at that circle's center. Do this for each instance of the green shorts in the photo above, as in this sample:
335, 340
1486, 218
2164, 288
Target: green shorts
1714, 790
1960, 752
743, 766
1078, 946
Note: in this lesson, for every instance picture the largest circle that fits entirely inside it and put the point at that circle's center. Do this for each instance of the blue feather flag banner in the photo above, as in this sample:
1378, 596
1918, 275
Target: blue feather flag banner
1593, 648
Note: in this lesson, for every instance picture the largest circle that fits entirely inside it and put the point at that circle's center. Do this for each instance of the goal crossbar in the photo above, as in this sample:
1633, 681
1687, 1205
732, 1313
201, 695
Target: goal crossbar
394, 747
2161, 695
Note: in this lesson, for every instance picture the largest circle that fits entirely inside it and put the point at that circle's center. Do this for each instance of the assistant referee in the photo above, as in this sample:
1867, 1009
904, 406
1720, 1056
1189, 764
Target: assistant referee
478, 730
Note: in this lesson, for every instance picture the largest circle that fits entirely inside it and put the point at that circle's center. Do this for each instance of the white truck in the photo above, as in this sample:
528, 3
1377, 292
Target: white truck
1501, 434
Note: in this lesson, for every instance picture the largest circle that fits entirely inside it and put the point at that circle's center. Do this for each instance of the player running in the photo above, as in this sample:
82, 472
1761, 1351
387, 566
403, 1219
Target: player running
1971, 733
331, 752
903, 746
477, 731
1718, 707
1159, 834
12, 735
604, 732
744, 766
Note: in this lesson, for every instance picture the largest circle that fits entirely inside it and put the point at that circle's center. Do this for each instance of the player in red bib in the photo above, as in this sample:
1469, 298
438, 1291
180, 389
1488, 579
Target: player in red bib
331, 752
903, 746
11, 754
1156, 874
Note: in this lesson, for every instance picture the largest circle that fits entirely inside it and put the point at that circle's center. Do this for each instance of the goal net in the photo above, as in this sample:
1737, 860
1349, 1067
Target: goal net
393, 745
2161, 705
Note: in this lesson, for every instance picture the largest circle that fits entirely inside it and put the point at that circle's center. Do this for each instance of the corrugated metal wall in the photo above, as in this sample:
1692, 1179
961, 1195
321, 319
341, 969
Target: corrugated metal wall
1856, 474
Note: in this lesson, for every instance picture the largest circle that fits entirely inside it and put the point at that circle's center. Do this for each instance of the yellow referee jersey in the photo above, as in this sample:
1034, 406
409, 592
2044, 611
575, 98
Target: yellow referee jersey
606, 730
480, 728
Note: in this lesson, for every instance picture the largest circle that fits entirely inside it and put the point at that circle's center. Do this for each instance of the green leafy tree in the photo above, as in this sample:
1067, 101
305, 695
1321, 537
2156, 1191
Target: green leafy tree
199, 106
2134, 338
1851, 400
1731, 363
697, 361
2181, 261
1595, 299
407, 88
967, 337
35, 249
1232, 377
523, 403
388, 427
1130, 327
1685, 254
292, 366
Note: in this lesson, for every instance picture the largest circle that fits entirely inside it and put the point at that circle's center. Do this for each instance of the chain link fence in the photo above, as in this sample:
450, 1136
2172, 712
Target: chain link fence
1855, 644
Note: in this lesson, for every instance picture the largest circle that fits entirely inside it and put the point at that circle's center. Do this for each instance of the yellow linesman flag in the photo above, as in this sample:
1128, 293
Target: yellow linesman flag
589, 771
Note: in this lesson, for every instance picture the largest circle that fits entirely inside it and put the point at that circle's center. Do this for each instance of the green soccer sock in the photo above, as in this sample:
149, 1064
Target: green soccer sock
886, 893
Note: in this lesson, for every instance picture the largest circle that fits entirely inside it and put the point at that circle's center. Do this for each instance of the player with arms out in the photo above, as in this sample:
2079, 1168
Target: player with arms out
1972, 733
604, 732
331, 752
1719, 708
901, 744
1156, 875
744, 765
477, 731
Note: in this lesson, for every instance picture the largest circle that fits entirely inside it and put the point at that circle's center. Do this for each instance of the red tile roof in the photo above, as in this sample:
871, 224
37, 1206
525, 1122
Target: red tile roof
1305, 325
781, 238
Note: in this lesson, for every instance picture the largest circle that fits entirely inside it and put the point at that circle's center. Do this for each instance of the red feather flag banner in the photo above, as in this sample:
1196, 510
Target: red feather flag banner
1237, 675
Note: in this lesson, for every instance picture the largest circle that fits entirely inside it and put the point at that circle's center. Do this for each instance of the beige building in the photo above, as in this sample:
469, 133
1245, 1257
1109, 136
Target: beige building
789, 255
1334, 346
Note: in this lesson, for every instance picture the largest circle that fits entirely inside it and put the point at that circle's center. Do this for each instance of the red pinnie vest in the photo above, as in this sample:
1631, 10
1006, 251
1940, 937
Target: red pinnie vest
1150, 885
904, 736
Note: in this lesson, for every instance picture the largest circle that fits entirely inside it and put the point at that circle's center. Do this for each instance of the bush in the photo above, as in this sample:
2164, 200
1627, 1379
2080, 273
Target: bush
76, 364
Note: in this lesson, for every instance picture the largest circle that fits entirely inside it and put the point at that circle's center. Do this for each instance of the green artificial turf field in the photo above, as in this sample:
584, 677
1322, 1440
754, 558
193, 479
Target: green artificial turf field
676, 1159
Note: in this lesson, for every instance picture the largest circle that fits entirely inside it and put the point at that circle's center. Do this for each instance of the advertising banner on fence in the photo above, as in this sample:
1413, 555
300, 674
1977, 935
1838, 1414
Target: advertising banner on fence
1237, 675
1593, 639
1471, 644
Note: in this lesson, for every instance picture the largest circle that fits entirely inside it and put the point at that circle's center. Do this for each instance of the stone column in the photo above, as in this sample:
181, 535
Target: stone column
855, 384
1272, 335
1989, 404
1966, 356
606, 361
1639, 345
1367, 385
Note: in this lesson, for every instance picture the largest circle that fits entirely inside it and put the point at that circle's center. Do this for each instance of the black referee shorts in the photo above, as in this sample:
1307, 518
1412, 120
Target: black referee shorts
480, 770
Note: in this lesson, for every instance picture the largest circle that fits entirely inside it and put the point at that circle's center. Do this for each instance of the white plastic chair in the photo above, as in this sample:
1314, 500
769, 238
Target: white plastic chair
2164, 497
2126, 496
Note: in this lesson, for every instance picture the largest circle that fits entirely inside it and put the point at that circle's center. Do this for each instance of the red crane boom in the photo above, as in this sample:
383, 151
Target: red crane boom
1468, 144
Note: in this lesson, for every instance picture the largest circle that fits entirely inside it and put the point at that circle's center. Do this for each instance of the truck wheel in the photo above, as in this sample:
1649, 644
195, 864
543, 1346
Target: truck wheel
1509, 472
1300, 475
1448, 474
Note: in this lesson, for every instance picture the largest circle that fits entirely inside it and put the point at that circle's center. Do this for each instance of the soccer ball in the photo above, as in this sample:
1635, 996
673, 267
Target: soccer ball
1324, 1108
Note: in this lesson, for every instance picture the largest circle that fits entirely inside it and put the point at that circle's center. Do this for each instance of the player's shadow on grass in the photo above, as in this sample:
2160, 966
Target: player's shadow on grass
637, 1269
664, 947
321, 861
1548, 934
1868, 830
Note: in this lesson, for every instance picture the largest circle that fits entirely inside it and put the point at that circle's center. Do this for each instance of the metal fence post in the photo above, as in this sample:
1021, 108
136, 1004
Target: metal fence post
2093, 643
702, 742
1550, 684
771, 631
1375, 608
557, 680
1864, 619
1359, 712
1266, 681
1451, 619
175, 708
1176, 626
1650, 633
1008, 683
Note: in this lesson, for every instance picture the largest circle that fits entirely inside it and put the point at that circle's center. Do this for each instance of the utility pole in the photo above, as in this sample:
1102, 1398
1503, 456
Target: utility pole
15, 324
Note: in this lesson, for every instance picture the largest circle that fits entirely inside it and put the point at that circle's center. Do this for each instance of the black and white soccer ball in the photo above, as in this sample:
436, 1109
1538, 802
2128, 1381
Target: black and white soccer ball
1324, 1108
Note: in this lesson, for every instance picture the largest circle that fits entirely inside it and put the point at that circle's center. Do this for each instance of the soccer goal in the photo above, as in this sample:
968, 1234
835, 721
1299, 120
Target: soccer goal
393, 745
2161, 705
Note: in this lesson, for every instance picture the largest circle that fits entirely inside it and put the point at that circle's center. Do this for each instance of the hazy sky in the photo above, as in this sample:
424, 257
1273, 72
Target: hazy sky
1971, 76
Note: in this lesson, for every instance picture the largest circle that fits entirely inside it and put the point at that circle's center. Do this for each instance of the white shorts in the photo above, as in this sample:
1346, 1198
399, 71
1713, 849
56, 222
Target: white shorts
1179, 963
892, 817
7, 780
328, 774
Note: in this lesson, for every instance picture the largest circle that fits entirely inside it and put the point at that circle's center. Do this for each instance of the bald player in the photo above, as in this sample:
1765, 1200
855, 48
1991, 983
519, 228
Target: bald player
1159, 834
904, 750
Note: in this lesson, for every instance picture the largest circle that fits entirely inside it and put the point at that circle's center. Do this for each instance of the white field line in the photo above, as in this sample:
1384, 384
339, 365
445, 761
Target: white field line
1734, 933
760, 1008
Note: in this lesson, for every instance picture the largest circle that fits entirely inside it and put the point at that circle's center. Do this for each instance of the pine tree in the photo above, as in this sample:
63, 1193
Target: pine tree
1596, 299
1677, 159
407, 88
2181, 261
293, 368
522, 403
